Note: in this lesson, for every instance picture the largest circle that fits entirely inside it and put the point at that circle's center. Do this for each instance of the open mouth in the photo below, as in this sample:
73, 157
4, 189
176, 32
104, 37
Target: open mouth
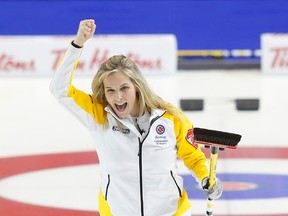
121, 107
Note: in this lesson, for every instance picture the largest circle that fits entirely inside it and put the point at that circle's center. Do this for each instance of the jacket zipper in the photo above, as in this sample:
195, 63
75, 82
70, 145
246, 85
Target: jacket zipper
179, 190
140, 173
107, 187
140, 163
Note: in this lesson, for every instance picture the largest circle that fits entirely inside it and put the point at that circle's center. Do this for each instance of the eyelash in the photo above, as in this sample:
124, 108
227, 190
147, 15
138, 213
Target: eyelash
122, 88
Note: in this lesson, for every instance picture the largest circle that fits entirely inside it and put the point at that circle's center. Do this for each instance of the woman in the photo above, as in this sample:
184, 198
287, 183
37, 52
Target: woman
138, 136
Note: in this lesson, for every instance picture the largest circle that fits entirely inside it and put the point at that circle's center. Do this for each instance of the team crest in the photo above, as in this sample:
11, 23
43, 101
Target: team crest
190, 138
160, 129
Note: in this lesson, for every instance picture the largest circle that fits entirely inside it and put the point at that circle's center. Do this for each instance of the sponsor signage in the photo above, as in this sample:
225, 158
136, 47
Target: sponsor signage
274, 57
40, 55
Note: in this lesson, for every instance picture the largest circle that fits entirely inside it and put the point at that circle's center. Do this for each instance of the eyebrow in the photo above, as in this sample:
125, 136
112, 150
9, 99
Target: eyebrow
124, 84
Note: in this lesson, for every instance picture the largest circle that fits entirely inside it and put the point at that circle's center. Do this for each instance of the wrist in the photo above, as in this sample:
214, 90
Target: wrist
76, 45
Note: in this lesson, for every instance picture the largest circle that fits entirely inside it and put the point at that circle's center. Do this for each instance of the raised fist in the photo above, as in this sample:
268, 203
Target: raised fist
85, 31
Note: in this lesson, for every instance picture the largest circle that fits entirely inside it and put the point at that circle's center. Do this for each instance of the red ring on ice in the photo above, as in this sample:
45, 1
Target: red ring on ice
237, 186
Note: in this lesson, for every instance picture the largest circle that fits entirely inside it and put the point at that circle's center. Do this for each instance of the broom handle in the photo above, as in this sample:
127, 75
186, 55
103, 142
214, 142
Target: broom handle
212, 177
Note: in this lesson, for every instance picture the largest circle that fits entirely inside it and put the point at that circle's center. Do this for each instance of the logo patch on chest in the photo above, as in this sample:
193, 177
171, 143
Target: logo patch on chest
160, 139
124, 131
160, 129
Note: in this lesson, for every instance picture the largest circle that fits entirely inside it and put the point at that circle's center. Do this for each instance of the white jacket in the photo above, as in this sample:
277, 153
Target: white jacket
139, 171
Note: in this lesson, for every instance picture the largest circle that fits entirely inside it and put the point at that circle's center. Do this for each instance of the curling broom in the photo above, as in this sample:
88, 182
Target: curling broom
216, 140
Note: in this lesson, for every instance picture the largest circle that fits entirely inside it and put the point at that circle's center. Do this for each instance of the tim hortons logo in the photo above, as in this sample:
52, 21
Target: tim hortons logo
99, 56
280, 57
9, 63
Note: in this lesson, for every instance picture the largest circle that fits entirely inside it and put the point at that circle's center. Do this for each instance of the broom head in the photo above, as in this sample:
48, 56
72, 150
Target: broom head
216, 138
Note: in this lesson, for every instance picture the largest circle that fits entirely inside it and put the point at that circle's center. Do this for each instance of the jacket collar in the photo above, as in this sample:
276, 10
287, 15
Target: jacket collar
128, 121
154, 113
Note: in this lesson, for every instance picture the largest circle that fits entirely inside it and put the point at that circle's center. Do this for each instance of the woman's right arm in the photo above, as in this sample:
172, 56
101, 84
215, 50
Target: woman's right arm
63, 76
78, 102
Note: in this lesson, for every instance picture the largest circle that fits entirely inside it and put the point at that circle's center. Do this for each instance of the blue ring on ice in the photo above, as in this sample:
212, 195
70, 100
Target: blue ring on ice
266, 186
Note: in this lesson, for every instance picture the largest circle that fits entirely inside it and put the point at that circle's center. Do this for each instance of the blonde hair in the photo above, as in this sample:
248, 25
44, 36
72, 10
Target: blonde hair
146, 97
